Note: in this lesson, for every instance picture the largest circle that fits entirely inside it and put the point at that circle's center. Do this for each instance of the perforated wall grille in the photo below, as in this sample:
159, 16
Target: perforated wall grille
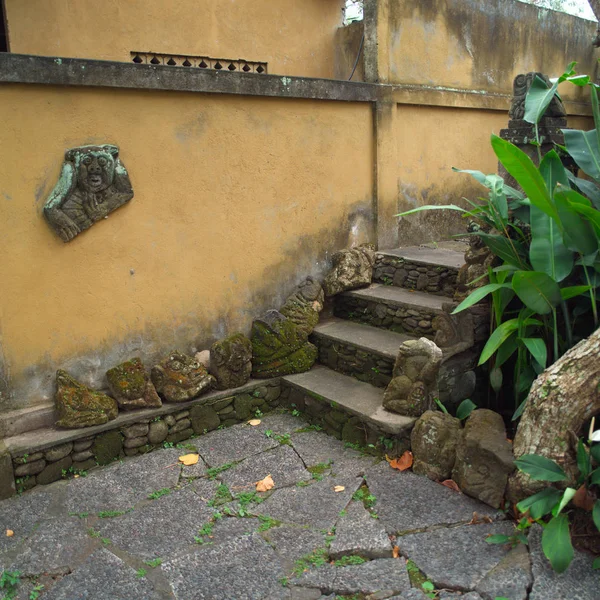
200, 62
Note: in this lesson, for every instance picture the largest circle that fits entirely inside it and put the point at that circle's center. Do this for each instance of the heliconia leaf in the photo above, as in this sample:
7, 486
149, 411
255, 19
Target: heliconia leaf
556, 543
541, 504
596, 514
498, 337
583, 147
465, 408
537, 349
583, 459
538, 291
567, 496
540, 468
573, 291
432, 207
479, 294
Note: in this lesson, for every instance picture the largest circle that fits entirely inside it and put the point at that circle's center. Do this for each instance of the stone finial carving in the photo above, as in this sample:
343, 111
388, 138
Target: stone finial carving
521, 86
131, 387
484, 458
453, 333
279, 347
93, 182
304, 305
352, 269
79, 406
179, 378
414, 382
231, 361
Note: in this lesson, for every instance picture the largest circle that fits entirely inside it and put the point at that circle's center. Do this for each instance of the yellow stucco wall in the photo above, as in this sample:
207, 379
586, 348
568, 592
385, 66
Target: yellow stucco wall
236, 200
479, 44
295, 38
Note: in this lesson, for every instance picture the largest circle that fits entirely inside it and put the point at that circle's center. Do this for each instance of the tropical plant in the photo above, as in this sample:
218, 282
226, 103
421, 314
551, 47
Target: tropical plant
547, 239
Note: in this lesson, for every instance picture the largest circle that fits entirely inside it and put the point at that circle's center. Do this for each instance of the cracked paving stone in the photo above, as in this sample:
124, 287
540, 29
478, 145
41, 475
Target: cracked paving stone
22, 513
205, 489
457, 557
412, 594
358, 533
228, 528
407, 502
578, 582
233, 444
194, 471
281, 424
316, 447
315, 505
367, 578
103, 576
292, 543
159, 528
282, 463
56, 545
122, 485
511, 578
244, 568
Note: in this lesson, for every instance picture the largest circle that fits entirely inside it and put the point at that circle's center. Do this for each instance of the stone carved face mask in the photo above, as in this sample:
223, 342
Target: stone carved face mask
95, 170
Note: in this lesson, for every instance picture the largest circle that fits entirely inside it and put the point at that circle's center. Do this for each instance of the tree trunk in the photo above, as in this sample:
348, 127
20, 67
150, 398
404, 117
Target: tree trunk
561, 402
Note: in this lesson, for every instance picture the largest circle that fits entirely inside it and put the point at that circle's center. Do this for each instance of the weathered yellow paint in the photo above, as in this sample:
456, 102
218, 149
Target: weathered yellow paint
236, 200
295, 38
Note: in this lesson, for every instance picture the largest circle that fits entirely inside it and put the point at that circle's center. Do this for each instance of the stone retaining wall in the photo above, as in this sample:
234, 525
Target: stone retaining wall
386, 315
76, 457
412, 275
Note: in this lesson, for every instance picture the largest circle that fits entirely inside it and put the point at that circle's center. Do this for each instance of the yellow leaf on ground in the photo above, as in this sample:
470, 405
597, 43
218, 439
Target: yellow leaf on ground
9, 533
449, 483
395, 552
339, 488
402, 463
254, 422
189, 459
264, 485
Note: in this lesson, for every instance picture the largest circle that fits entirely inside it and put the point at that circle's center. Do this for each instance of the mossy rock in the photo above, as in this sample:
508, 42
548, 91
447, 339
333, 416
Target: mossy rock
204, 418
107, 446
243, 406
130, 385
54, 471
354, 431
230, 361
175, 438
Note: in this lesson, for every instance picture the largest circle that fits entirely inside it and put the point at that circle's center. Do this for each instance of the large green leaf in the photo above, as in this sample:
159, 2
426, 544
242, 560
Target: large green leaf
521, 167
537, 349
498, 337
486, 180
567, 496
596, 514
589, 188
578, 233
556, 543
583, 147
479, 294
583, 460
573, 291
536, 290
432, 207
509, 251
541, 504
540, 468
538, 99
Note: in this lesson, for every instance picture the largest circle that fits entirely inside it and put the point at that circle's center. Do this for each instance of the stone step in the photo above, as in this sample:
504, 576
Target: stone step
322, 389
390, 307
429, 269
364, 352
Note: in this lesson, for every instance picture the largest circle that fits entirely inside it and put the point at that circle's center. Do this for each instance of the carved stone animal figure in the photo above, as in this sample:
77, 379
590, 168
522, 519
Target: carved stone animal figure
180, 377
93, 182
304, 305
130, 385
231, 361
352, 269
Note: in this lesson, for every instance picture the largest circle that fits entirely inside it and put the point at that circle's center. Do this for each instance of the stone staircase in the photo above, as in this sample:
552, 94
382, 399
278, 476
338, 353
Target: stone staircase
358, 343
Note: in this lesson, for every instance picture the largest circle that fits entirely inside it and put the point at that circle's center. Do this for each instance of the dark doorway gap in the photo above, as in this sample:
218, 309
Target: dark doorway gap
3, 29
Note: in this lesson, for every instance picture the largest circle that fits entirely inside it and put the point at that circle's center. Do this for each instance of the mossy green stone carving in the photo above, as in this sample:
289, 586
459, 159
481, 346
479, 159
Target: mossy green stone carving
230, 361
279, 347
131, 386
79, 406
304, 305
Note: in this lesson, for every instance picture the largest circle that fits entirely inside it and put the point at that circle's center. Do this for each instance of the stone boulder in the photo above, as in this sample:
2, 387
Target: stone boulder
484, 458
180, 377
79, 406
352, 269
131, 387
304, 305
279, 347
414, 382
433, 443
231, 361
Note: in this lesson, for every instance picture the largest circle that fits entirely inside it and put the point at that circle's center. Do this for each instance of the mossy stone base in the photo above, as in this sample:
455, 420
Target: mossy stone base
107, 446
54, 471
204, 419
243, 406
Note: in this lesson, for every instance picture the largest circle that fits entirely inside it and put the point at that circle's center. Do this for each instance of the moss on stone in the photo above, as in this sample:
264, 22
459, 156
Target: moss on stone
107, 446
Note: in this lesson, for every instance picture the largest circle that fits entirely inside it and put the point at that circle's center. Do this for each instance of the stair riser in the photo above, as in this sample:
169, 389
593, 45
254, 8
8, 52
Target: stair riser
387, 315
413, 275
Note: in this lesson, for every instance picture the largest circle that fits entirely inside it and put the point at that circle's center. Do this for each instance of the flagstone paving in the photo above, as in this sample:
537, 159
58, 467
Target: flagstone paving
150, 528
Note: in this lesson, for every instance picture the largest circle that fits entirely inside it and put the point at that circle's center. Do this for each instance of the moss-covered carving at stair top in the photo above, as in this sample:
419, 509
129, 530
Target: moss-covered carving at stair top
280, 347
352, 269
80, 406
131, 387
304, 305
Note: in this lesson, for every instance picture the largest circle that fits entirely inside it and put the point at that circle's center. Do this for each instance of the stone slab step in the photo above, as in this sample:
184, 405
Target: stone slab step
390, 307
431, 269
352, 396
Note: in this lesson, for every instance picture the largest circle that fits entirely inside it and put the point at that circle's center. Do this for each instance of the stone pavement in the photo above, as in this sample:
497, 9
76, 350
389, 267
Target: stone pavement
148, 528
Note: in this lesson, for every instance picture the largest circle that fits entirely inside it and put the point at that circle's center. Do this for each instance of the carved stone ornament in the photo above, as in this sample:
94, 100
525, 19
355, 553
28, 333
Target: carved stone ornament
93, 182
521, 86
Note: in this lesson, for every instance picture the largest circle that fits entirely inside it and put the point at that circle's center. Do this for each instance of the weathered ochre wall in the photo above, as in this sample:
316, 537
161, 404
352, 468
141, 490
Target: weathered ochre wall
478, 44
237, 199
348, 50
295, 38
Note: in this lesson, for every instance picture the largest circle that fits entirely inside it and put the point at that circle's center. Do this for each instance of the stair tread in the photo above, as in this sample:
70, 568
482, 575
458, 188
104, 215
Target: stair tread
371, 339
356, 397
442, 257
399, 296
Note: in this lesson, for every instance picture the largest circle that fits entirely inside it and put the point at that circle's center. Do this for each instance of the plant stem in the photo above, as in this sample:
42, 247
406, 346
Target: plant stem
555, 334
568, 331
592, 295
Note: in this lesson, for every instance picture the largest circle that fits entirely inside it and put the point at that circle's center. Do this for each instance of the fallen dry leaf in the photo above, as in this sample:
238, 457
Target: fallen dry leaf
451, 484
264, 485
396, 552
479, 519
339, 488
402, 463
583, 499
189, 459
9, 533
254, 422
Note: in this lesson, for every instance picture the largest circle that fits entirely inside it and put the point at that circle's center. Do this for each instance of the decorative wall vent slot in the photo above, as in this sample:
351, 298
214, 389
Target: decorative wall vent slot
199, 62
